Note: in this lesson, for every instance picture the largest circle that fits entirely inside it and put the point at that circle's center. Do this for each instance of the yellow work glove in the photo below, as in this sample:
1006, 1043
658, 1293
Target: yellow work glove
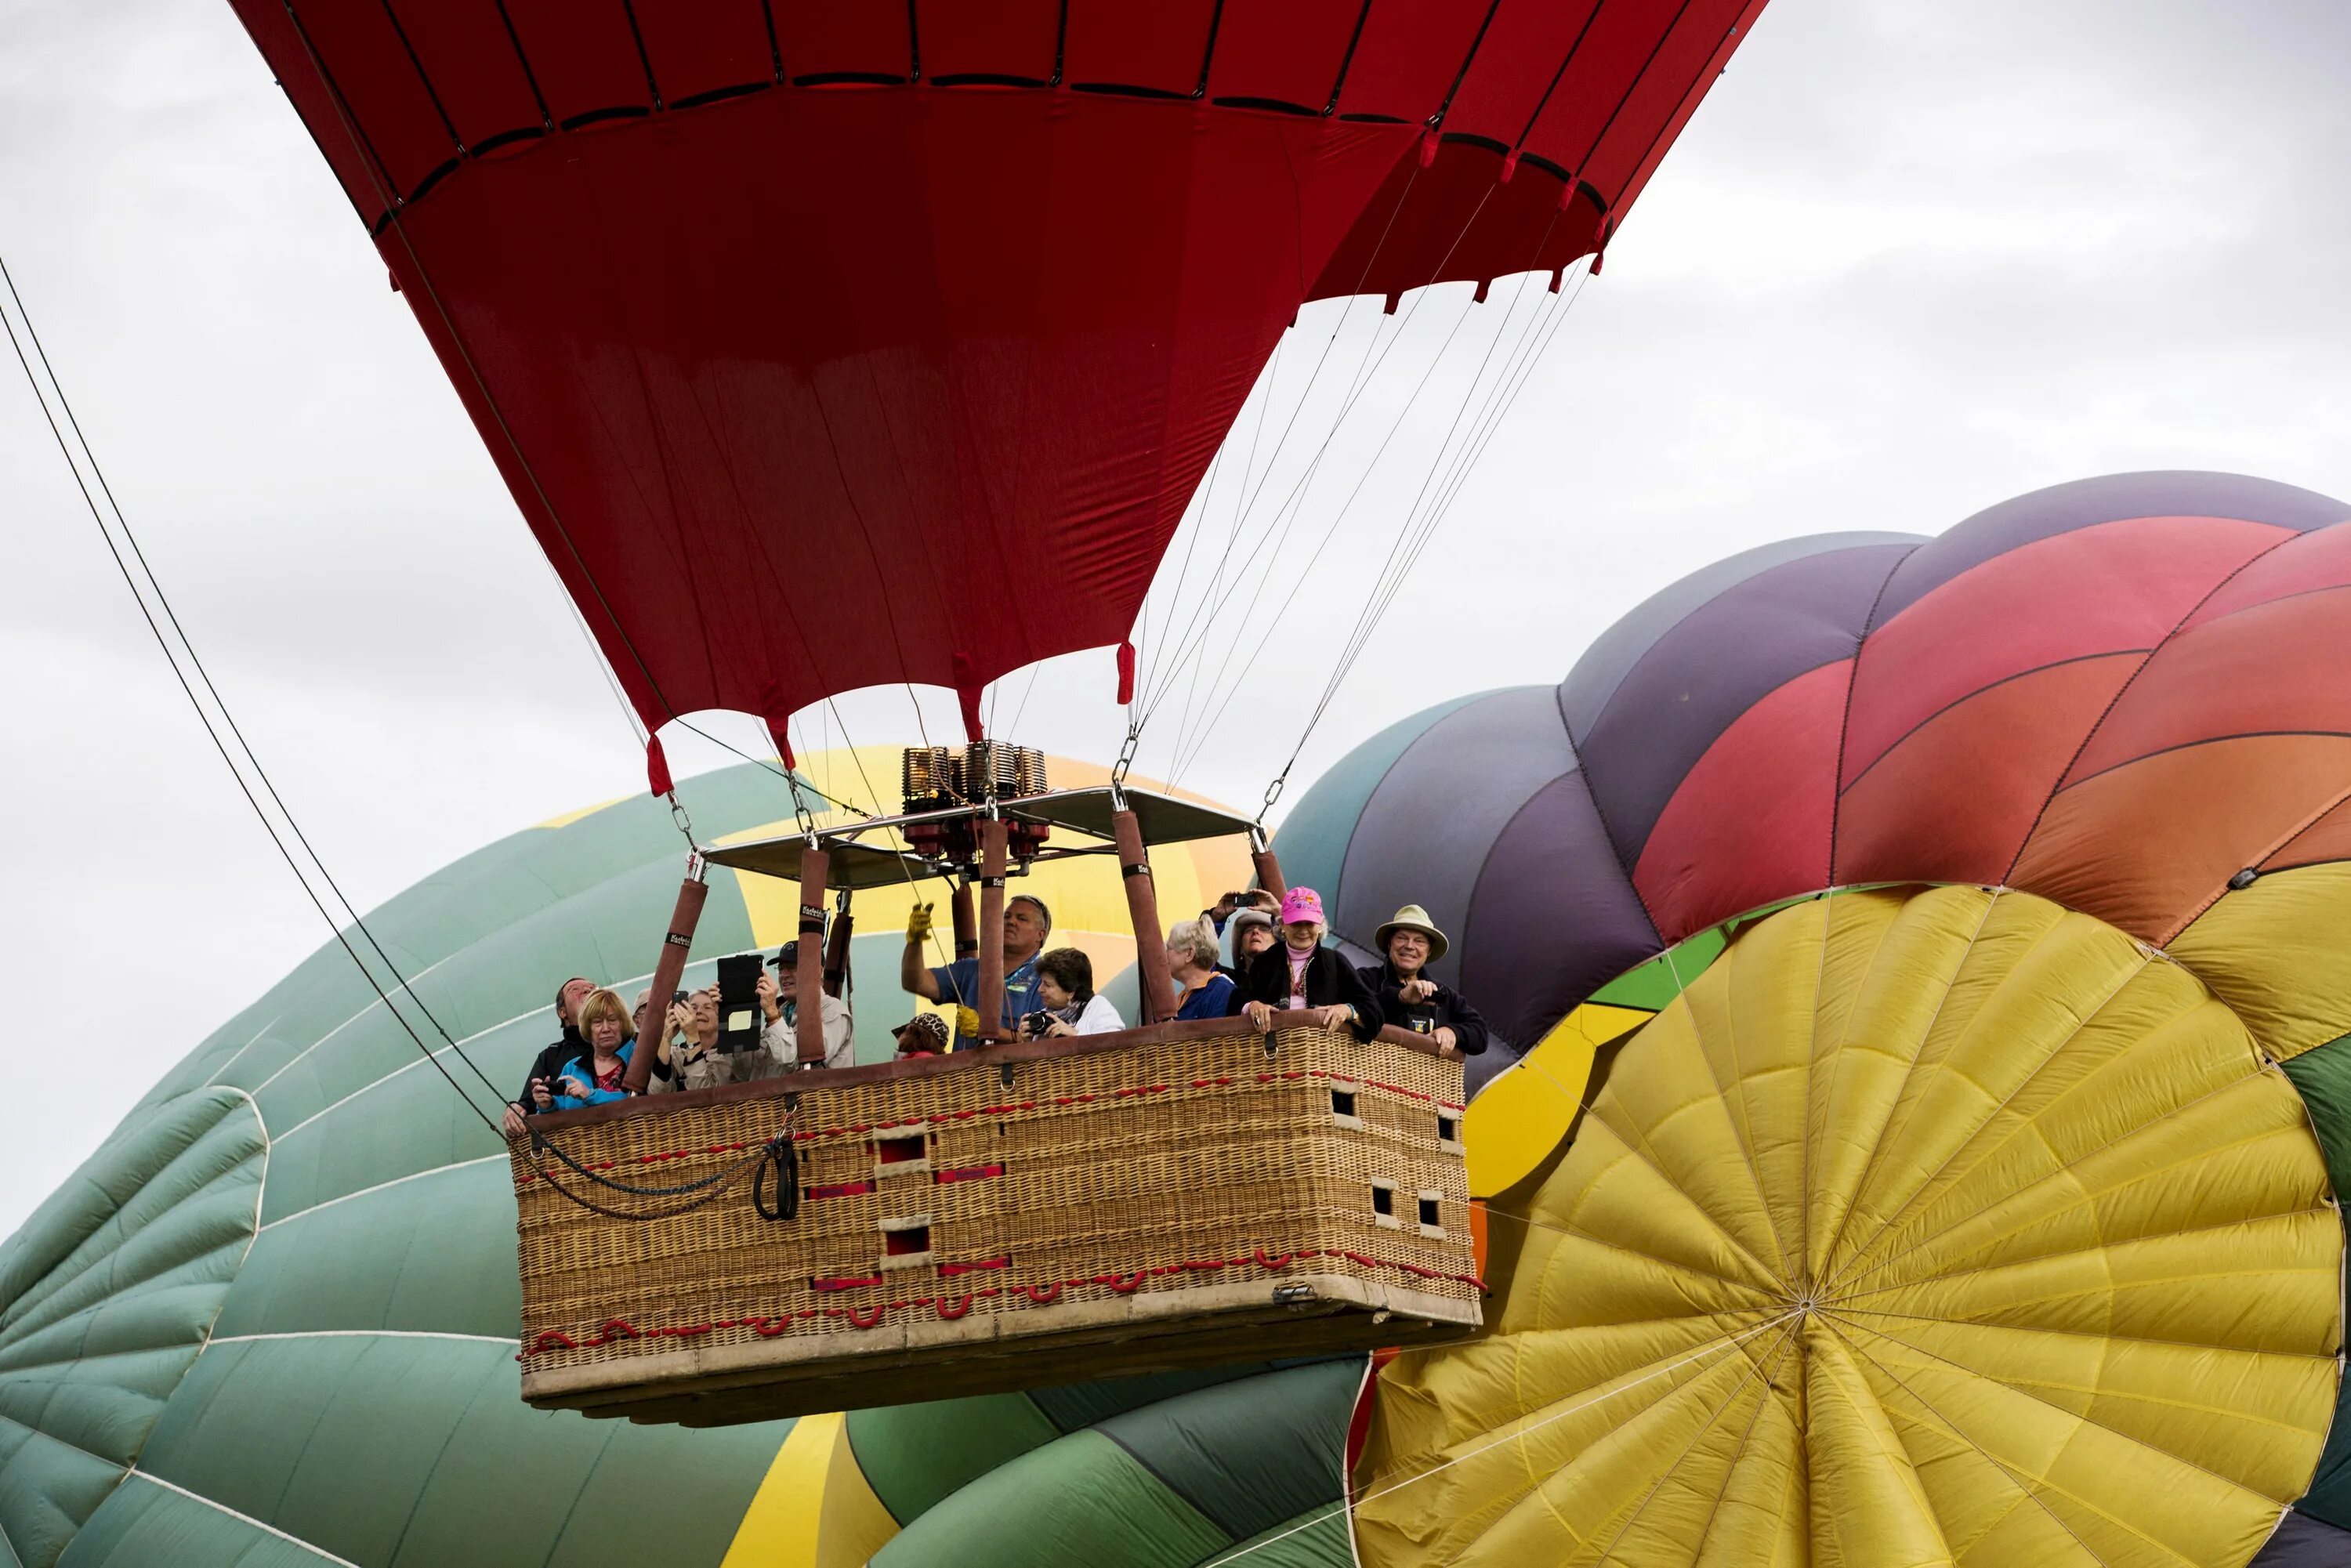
967, 1022
918, 923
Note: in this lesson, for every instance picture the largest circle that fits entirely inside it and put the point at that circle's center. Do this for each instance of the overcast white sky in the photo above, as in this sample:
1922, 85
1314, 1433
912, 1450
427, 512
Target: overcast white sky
1909, 260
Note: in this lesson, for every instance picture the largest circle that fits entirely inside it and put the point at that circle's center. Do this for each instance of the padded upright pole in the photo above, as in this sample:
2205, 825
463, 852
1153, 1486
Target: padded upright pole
1156, 984
668, 972
966, 922
1268, 871
815, 866
990, 1000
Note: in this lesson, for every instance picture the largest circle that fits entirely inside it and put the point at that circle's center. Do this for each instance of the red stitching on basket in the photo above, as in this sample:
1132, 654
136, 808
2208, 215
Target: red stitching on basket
1044, 1295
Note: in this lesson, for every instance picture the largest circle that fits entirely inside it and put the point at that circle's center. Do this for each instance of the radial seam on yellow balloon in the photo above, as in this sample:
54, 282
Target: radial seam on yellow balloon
1745, 1122
1910, 1070
1850, 1310
1536, 1482
2131, 1179
1738, 1453
1802, 1275
2097, 1391
1848, 1274
1514, 1437
2103, 1244
2039, 1482
1657, 1486
1569, 1231
1743, 1125
1643, 1155
2030, 1489
2088, 1017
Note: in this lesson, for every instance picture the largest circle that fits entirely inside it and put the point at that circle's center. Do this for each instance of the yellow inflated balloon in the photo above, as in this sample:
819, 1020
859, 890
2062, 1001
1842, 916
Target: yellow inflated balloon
1519, 1118
1921, 1229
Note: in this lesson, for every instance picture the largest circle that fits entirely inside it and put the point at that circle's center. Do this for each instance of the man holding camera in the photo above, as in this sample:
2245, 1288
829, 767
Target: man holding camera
567, 998
1027, 924
780, 1001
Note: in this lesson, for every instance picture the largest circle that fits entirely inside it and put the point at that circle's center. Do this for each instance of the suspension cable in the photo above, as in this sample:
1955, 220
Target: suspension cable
179, 652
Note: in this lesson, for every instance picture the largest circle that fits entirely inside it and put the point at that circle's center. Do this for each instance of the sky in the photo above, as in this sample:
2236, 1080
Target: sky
1906, 262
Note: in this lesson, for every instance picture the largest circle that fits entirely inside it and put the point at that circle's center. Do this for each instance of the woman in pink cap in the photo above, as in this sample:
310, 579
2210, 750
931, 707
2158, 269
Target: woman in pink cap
1298, 974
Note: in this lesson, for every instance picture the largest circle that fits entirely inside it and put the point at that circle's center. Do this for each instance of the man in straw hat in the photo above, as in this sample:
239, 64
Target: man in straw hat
1408, 997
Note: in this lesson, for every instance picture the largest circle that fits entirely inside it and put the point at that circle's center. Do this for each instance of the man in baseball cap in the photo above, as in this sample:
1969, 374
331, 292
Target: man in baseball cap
779, 999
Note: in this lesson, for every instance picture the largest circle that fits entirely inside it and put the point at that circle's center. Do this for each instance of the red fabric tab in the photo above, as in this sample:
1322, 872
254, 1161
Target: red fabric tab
657, 767
1126, 673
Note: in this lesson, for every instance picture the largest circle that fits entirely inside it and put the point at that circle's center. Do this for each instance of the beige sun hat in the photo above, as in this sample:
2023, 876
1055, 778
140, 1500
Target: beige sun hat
1411, 917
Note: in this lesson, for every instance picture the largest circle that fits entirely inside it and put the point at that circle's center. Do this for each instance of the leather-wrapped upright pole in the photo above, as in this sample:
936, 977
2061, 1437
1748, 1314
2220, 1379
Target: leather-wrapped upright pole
667, 971
815, 866
966, 922
1268, 869
1155, 982
990, 1000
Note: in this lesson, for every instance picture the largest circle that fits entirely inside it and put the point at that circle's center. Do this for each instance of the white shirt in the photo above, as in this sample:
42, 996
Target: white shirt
1099, 1018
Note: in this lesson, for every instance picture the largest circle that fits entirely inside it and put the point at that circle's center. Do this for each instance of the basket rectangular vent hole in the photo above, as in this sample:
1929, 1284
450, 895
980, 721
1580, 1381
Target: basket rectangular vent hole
1448, 1128
1431, 1219
1384, 1196
1342, 1106
906, 1243
906, 1155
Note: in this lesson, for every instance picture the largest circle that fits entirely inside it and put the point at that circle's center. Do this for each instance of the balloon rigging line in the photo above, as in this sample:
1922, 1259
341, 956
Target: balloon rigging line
1729, 1343
913, 888
1376, 609
1287, 514
1195, 634
1188, 643
1500, 397
1246, 505
1533, 321
184, 648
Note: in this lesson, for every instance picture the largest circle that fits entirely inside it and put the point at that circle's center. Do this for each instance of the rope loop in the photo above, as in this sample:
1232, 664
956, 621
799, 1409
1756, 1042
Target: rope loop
779, 1155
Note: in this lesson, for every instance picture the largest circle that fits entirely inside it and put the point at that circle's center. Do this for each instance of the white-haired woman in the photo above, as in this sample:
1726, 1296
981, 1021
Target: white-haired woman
1202, 990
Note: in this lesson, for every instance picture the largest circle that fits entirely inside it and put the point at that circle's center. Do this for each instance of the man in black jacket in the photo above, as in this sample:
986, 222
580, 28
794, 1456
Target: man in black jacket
567, 998
1408, 997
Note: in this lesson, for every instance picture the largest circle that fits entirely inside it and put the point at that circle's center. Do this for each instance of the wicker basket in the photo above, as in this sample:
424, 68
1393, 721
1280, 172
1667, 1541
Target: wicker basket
1025, 1216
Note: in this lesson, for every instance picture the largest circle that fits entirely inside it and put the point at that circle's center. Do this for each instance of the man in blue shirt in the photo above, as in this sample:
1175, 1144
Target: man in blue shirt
1027, 924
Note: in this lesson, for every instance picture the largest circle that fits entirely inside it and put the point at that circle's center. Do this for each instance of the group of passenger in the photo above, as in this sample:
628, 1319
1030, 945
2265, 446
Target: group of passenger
1280, 962
588, 1063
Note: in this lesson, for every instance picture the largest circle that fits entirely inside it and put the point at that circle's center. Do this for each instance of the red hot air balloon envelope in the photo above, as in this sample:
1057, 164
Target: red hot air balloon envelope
825, 347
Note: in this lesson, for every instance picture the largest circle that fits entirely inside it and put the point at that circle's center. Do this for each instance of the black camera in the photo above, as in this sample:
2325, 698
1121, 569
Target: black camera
739, 1001
1034, 1025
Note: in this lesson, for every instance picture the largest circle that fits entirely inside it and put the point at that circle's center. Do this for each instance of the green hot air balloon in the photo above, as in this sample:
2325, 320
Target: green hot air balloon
272, 1320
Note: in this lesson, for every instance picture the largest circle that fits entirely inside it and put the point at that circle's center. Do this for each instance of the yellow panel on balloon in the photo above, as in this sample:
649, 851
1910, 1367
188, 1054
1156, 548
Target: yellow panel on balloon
1939, 1227
2275, 951
815, 1508
1520, 1117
